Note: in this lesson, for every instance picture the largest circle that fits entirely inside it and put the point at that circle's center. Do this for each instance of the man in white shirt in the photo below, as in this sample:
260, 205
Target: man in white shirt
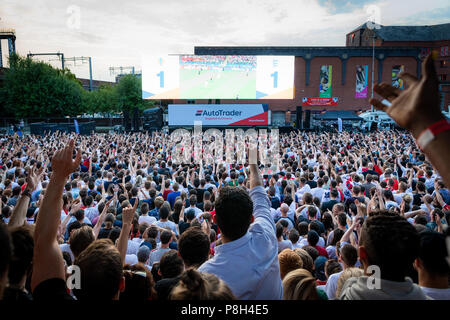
248, 258
145, 218
348, 256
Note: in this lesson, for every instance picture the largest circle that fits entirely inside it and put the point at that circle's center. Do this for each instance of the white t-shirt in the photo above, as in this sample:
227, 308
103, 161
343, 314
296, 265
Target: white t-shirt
437, 294
133, 247
284, 244
131, 259
147, 219
65, 247
304, 242
331, 286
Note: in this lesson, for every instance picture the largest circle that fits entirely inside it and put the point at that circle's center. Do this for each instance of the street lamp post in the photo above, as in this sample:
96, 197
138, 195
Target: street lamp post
373, 66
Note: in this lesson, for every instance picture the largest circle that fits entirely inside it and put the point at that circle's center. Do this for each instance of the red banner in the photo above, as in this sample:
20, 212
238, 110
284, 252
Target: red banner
320, 102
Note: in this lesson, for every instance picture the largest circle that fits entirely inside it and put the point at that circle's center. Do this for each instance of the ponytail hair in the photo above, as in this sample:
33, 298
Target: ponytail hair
194, 285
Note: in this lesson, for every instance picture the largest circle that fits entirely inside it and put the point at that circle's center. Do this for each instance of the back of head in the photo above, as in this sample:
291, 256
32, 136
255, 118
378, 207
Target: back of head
433, 253
171, 265
139, 284
345, 275
389, 242
307, 261
101, 271
288, 261
194, 285
313, 238
194, 246
234, 209
80, 239
165, 237
349, 254
299, 285
22, 257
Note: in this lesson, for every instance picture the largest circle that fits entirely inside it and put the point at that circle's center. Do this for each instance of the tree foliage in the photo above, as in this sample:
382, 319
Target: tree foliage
36, 89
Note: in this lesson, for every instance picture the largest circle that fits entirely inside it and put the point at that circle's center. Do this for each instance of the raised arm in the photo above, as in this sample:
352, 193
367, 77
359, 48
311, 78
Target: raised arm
48, 262
127, 219
19, 213
417, 108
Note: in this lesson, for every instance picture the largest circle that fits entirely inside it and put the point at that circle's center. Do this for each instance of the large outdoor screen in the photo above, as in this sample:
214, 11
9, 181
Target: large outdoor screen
218, 77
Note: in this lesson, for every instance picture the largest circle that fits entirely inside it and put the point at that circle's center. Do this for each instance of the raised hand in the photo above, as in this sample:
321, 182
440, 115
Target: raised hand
128, 213
417, 107
62, 162
33, 178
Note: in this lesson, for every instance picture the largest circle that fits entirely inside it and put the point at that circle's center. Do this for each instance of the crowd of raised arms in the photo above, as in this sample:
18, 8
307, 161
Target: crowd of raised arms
343, 216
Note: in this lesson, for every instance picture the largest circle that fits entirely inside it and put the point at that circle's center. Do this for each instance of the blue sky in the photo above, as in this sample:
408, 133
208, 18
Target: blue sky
120, 33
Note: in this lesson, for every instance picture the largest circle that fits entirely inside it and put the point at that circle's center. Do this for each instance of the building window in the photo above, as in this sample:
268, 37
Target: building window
191, 101
217, 101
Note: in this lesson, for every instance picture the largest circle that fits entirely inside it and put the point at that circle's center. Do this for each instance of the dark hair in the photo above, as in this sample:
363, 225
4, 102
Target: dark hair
313, 238
294, 235
139, 284
171, 265
390, 242
337, 235
302, 228
80, 239
332, 266
312, 252
234, 209
165, 237
23, 244
101, 271
433, 252
349, 254
279, 229
164, 212
193, 246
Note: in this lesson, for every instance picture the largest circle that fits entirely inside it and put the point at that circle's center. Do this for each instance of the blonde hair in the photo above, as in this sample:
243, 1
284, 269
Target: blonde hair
345, 275
299, 285
194, 285
289, 261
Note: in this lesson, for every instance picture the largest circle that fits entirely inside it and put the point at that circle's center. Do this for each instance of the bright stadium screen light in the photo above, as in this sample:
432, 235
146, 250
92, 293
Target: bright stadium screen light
218, 77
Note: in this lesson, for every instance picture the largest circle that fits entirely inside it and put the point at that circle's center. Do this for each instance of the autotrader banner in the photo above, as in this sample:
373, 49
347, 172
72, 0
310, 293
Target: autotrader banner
325, 81
361, 81
219, 114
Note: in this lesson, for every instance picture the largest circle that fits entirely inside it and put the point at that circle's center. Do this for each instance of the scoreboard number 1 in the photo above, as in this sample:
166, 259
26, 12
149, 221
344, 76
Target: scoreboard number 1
275, 79
161, 79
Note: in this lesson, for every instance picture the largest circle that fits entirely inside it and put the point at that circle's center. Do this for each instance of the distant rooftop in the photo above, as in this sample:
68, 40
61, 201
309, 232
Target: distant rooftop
436, 32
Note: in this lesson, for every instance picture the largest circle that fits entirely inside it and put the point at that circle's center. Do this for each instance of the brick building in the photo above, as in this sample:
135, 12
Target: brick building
394, 46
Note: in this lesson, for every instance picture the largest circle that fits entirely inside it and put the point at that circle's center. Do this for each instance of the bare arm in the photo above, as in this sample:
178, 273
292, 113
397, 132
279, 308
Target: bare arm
127, 219
46, 249
19, 213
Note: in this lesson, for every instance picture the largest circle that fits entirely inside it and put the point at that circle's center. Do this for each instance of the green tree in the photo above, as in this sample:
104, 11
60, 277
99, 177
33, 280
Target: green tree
103, 100
36, 89
129, 93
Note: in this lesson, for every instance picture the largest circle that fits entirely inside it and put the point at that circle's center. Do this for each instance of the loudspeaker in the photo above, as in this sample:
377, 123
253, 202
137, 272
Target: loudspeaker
136, 119
126, 120
298, 122
307, 119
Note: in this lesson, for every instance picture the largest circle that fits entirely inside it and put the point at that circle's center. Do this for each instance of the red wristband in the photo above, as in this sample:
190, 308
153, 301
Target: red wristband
431, 132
